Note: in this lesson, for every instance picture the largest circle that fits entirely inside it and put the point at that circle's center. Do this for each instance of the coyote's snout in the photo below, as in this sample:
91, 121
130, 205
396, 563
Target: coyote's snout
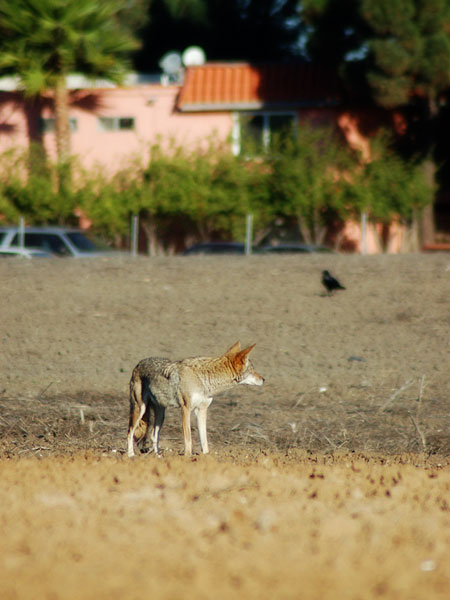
157, 383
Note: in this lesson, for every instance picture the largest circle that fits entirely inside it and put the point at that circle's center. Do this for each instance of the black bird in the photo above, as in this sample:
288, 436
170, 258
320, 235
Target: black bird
331, 283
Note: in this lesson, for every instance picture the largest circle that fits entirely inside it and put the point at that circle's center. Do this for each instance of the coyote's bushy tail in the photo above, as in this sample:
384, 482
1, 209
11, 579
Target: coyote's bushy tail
136, 403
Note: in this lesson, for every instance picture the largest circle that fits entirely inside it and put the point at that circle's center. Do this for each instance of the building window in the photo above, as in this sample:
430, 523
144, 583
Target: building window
116, 123
49, 125
255, 131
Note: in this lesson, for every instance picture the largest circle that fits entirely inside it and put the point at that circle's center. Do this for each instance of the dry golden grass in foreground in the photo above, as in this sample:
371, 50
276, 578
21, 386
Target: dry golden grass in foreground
245, 524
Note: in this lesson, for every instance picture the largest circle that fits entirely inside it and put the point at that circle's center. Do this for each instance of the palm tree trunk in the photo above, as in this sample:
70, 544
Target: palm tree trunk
62, 131
37, 158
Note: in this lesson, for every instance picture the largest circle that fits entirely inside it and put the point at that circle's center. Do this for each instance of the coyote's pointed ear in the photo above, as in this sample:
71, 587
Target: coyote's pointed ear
235, 348
241, 356
246, 351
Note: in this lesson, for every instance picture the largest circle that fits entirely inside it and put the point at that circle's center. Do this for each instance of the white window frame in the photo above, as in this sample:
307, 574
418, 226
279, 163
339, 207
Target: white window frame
115, 122
48, 124
236, 134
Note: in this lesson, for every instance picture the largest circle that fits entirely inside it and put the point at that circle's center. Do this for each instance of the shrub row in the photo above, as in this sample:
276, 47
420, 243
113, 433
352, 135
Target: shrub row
309, 179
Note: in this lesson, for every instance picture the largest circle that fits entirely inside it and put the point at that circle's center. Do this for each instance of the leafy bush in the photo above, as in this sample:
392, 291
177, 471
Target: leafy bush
184, 196
388, 187
306, 178
33, 196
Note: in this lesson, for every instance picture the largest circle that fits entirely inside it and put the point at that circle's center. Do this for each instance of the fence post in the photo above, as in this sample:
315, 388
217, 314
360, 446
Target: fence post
134, 235
364, 233
22, 232
249, 235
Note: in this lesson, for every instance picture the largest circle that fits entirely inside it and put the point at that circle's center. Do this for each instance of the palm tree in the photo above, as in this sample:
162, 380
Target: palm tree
43, 41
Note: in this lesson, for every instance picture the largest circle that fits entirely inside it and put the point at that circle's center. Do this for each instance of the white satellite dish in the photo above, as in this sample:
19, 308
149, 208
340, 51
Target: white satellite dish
170, 63
193, 56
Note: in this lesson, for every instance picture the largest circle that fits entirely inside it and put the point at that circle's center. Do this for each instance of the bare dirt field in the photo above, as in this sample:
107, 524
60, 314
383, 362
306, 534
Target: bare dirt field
331, 481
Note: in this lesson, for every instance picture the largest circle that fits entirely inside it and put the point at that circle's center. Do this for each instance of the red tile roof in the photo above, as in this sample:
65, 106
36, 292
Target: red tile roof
223, 86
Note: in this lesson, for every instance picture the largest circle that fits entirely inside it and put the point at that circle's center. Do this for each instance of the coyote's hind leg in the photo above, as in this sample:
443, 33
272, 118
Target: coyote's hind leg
134, 422
159, 414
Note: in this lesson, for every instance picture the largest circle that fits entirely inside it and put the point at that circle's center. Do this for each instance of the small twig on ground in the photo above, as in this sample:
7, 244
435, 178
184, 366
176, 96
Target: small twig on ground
43, 391
256, 433
299, 401
416, 419
330, 442
420, 433
394, 395
320, 439
422, 387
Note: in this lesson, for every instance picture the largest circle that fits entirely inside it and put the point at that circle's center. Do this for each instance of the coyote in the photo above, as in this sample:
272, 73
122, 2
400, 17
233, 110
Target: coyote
157, 383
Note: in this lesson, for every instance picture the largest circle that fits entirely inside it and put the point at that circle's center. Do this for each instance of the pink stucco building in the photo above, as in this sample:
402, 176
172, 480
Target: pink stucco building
114, 126
111, 124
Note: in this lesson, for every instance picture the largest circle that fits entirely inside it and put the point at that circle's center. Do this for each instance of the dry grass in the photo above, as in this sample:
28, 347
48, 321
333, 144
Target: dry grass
388, 423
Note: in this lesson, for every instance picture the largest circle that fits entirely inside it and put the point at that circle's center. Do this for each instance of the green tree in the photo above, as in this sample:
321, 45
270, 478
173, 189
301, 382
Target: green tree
388, 188
181, 196
306, 181
410, 46
402, 50
43, 41
335, 30
33, 197
239, 187
208, 190
109, 201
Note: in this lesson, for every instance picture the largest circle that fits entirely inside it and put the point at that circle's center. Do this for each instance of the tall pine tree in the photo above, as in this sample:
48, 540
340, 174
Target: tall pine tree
401, 48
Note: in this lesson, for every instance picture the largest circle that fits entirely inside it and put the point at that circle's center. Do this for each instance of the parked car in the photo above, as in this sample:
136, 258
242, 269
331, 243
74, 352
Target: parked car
60, 241
215, 248
294, 248
238, 248
23, 252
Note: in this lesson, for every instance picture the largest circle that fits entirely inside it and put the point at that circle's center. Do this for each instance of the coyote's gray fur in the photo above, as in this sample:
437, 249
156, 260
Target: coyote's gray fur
157, 383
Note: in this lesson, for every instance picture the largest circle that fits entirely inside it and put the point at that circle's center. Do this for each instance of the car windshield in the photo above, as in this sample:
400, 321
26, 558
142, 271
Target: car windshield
50, 242
81, 242
288, 249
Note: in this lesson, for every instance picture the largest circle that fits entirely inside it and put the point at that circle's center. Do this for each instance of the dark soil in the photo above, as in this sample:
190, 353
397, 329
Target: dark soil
364, 370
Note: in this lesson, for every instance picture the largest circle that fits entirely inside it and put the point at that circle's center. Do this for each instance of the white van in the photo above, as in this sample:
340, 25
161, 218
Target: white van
60, 241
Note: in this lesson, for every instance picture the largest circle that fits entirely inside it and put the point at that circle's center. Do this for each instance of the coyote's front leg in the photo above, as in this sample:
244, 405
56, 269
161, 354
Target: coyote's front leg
201, 413
186, 415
